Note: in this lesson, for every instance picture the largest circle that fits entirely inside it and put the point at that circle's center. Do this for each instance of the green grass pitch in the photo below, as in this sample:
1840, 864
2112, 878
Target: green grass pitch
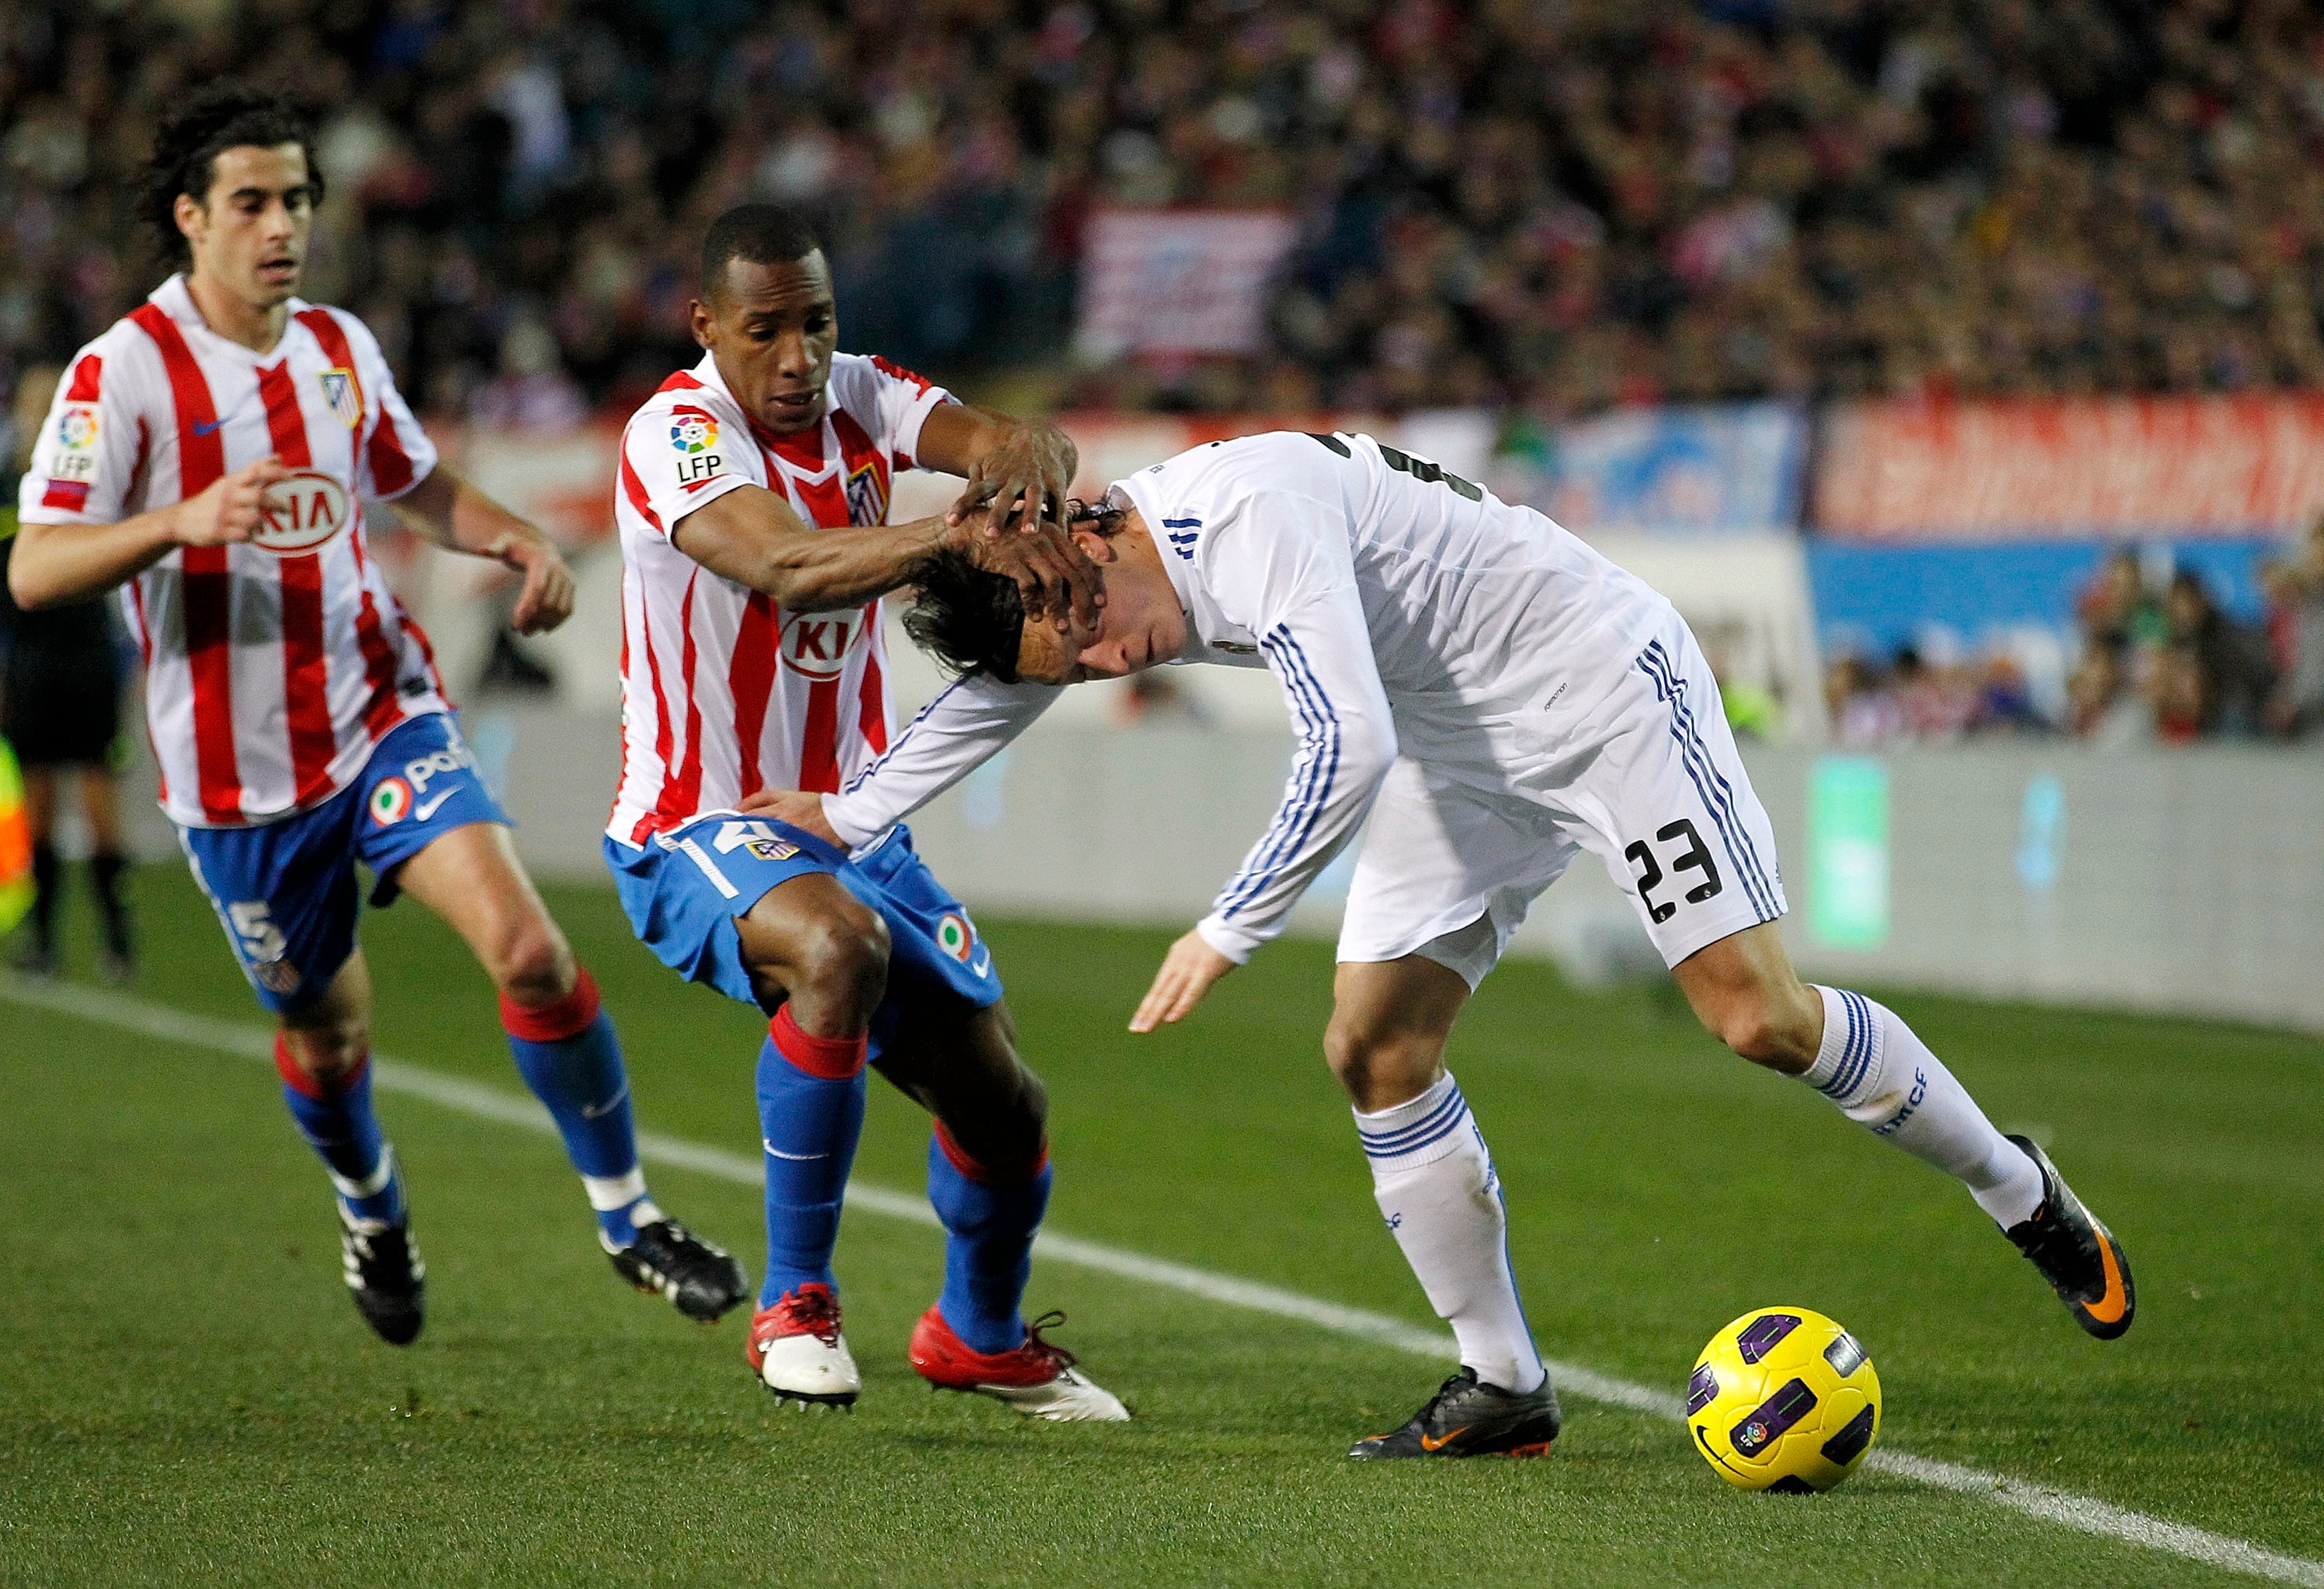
187, 1396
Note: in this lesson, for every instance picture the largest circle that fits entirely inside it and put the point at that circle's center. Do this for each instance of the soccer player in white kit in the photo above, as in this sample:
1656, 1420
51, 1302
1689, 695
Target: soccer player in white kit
213, 455
1496, 697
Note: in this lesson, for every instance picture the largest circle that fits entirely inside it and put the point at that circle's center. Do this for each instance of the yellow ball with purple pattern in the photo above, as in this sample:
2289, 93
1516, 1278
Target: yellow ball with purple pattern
1783, 1398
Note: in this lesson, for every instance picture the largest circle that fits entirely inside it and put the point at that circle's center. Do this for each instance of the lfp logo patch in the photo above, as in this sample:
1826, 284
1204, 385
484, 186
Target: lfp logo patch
693, 431
390, 798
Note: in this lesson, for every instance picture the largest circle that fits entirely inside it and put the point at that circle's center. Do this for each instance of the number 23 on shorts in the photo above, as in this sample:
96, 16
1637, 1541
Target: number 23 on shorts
1693, 858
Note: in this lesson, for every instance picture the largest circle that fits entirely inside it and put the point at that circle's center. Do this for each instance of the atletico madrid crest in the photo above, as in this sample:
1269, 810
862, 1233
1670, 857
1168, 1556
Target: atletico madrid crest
341, 391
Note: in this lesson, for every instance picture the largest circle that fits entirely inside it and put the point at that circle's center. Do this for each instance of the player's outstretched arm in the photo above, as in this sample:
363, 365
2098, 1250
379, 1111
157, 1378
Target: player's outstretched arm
1188, 972
56, 563
453, 513
756, 538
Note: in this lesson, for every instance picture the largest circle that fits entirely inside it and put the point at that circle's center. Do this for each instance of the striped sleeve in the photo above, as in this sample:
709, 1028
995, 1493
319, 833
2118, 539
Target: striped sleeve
91, 445
968, 724
396, 454
1282, 569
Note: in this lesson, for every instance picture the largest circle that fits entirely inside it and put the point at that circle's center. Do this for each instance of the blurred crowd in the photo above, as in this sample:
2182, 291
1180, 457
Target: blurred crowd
1554, 203
2156, 662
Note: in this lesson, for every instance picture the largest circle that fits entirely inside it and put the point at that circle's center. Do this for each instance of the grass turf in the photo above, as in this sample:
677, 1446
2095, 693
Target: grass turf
190, 1397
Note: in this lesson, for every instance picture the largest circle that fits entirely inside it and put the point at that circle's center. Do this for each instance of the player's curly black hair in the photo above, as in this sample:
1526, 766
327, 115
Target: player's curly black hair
222, 117
969, 619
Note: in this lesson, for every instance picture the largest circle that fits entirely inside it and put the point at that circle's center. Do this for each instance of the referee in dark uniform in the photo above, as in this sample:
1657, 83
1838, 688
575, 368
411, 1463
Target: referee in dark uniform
60, 683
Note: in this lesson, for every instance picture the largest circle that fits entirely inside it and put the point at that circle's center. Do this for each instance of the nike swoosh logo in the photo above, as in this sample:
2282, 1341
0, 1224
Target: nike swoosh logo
607, 1107
794, 1157
1442, 1442
208, 427
426, 809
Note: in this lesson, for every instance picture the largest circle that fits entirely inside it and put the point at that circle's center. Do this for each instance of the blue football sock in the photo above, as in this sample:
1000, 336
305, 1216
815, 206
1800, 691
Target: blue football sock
338, 1122
988, 1221
810, 1115
569, 1056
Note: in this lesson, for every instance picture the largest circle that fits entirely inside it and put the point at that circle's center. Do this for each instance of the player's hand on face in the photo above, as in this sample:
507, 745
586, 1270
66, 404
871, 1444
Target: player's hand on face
547, 599
231, 508
800, 808
1188, 972
1055, 577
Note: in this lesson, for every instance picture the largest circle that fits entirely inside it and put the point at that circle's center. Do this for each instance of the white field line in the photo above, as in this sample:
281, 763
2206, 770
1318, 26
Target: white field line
2082, 1512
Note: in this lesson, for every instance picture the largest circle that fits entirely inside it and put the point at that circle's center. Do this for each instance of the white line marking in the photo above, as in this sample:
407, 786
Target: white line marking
2081, 1512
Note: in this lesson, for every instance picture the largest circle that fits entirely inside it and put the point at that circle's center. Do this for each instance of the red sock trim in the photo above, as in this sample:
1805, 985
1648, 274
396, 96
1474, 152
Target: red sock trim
313, 1086
832, 1058
568, 1017
987, 1175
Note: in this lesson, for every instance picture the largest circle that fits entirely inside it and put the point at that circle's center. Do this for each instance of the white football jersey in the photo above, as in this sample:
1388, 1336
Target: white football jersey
1404, 610
724, 693
273, 667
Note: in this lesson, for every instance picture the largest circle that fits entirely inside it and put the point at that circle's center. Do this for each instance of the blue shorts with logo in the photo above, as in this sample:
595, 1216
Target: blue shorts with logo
285, 891
683, 889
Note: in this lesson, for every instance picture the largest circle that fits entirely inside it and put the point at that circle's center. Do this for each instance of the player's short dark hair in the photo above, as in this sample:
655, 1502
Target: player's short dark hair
763, 233
969, 619
224, 116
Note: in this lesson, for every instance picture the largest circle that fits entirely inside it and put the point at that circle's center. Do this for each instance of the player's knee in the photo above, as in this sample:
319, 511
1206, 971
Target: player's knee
328, 1051
1379, 1067
841, 958
531, 963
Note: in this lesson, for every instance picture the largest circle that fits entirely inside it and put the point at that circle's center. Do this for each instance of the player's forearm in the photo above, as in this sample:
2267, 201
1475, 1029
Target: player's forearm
56, 563
970, 722
823, 570
1331, 790
448, 510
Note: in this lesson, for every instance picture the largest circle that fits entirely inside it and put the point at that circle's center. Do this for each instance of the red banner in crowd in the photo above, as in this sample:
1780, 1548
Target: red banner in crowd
2111, 467
1179, 281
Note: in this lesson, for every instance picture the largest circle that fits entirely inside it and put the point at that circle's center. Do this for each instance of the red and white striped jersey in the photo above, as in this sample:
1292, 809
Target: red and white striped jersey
724, 693
272, 668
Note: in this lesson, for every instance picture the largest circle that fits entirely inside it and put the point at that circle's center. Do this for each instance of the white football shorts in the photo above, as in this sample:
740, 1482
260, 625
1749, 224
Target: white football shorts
1659, 796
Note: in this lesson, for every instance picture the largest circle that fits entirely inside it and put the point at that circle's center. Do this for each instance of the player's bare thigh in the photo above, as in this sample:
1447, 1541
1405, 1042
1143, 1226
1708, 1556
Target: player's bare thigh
810, 943
329, 1037
472, 878
1746, 993
1390, 1020
962, 1065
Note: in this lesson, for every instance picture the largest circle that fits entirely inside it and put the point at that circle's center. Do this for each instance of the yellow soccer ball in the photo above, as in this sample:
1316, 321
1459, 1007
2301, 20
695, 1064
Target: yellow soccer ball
1783, 1398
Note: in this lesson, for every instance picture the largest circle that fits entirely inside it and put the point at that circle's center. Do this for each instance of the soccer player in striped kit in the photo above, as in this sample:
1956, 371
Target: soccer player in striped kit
213, 453
753, 503
1494, 698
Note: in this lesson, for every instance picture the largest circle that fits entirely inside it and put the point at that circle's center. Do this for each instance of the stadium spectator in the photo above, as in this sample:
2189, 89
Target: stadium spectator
1561, 206
2295, 624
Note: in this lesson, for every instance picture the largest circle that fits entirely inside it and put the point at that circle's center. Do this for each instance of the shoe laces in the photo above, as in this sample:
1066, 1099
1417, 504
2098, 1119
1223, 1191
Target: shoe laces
811, 1311
1037, 1345
2058, 1247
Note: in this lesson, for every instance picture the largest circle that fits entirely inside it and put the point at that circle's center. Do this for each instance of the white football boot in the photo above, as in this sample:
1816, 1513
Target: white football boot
795, 1349
1037, 1379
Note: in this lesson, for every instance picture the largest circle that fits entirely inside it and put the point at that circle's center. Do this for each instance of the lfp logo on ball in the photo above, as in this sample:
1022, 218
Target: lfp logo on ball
693, 436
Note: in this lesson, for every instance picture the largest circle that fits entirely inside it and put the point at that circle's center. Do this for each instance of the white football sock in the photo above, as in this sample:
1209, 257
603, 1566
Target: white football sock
1437, 1190
1884, 1077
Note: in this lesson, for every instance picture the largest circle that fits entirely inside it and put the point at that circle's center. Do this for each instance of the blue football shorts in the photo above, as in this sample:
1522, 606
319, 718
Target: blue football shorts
285, 891
683, 889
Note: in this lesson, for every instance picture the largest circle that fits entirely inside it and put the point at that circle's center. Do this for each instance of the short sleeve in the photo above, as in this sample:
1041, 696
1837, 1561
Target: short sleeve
396, 452
683, 450
889, 401
90, 447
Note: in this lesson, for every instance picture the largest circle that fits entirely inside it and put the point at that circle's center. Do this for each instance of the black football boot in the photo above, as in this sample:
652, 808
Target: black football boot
1467, 1417
386, 1276
700, 1280
2080, 1257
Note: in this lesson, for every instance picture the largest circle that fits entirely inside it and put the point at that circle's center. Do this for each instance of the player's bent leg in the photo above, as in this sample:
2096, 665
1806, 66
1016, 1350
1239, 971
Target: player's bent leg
989, 1179
818, 957
565, 1048
1435, 1182
1879, 1072
323, 1054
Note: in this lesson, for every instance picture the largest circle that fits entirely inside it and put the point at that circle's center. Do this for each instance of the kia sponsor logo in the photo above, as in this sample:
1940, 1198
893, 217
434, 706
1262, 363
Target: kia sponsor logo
815, 644
301, 513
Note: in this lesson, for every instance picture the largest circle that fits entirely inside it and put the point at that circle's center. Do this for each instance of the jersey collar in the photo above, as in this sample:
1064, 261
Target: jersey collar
173, 300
